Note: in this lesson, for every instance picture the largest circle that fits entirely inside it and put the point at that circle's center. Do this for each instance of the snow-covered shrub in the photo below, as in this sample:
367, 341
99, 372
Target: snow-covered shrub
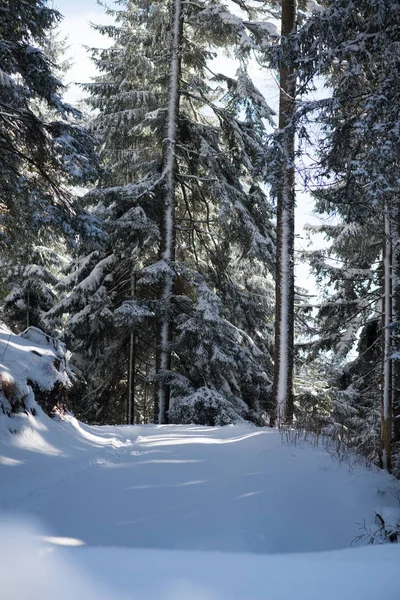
204, 407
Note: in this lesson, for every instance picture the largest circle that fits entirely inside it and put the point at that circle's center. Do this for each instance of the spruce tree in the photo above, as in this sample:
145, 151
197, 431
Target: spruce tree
43, 151
357, 49
284, 314
223, 247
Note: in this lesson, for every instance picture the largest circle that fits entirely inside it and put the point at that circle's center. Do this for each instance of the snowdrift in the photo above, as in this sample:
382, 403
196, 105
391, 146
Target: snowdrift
33, 371
82, 573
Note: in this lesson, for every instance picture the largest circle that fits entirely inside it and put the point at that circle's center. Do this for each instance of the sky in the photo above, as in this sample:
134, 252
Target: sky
78, 14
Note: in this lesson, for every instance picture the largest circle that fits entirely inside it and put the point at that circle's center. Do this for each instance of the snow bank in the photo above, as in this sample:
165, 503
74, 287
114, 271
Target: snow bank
187, 513
60, 568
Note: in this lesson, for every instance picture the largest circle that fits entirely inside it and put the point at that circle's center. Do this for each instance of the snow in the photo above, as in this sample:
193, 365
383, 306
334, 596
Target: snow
191, 512
31, 356
185, 512
130, 313
51, 570
93, 280
155, 273
269, 28
37, 336
207, 403
313, 6
6, 80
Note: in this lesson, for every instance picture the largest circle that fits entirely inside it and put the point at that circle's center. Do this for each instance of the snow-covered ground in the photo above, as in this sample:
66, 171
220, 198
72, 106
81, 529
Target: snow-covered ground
185, 512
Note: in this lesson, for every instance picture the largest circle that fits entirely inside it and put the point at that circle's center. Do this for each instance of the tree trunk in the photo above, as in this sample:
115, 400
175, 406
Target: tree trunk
395, 327
164, 333
131, 381
132, 364
28, 308
145, 397
386, 405
284, 312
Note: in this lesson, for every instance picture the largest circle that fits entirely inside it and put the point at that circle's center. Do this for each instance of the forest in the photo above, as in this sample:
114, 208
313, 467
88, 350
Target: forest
152, 229
199, 396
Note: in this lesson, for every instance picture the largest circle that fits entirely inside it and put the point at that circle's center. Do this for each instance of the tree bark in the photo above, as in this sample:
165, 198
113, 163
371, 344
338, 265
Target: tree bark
164, 330
145, 397
387, 388
132, 364
284, 311
395, 327
28, 308
131, 381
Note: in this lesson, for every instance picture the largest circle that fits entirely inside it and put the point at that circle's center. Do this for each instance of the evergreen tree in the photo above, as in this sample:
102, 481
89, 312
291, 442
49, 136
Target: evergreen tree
42, 152
357, 48
223, 246
284, 313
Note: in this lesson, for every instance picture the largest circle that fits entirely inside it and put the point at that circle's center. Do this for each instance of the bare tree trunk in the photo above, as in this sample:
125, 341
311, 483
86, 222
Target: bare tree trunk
395, 326
131, 381
164, 333
28, 308
145, 397
387, 404
284, 312
132, 365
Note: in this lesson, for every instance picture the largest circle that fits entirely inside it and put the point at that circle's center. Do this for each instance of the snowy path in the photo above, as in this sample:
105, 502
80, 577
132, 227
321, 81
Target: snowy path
192, 488
231, 490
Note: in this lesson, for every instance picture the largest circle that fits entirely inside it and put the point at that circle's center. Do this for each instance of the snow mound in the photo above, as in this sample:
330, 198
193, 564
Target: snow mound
51, 571
33, 368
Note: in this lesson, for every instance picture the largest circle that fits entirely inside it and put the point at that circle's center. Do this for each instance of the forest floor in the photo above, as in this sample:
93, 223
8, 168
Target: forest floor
186, 513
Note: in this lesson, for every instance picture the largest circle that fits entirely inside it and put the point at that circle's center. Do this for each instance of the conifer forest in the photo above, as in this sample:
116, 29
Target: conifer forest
152, 229
199, 299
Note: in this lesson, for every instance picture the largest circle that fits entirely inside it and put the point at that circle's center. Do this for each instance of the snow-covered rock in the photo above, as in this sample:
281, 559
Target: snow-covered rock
33, 370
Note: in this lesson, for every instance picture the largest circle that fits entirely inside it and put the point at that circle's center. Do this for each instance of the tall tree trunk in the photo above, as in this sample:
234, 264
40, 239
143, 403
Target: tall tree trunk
145, 387
28, 308
131, 381
164, 335
132, 364
284, 312
395, 327
387, 389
